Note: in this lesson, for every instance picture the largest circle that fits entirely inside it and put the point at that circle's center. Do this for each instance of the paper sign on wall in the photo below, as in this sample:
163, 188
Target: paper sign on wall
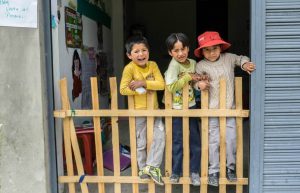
18, 13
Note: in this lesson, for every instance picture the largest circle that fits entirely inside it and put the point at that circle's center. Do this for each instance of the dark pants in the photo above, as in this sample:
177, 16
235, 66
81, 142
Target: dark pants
177, 148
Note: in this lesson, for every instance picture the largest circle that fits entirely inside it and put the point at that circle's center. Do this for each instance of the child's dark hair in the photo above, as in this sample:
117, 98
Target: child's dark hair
135, 40
174, 37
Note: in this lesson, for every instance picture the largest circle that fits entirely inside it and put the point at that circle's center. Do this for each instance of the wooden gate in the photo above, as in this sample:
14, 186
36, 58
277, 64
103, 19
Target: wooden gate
71, 146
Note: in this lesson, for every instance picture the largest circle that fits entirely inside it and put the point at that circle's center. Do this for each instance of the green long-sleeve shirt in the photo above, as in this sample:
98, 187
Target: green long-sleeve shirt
176, 77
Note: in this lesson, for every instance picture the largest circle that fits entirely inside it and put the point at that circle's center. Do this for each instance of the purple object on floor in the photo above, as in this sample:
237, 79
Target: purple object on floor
108, 162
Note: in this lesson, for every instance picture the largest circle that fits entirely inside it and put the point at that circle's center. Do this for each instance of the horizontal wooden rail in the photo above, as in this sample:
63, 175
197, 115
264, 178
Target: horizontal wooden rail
136, 179
153, 113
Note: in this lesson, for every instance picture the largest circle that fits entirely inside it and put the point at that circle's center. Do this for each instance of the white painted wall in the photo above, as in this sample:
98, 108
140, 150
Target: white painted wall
62, 67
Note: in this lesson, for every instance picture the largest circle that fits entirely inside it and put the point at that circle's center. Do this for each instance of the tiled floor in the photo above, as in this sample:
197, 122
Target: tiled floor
127, 188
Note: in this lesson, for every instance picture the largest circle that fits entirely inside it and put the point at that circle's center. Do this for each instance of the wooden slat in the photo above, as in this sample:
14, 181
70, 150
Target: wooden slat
71, 135
222, 135
204, 150
132, 131
150, 120
115, 132
67, 137
186, 139
239, 131
150, 124
168, 147
137, 180
153, 113
97, 129
77, 156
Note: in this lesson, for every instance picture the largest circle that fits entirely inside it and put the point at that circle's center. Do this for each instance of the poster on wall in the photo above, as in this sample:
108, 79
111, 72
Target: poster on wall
73, 28
76, 74
18, 13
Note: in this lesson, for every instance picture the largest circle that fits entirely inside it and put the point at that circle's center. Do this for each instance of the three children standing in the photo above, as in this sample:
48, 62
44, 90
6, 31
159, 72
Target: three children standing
141, 76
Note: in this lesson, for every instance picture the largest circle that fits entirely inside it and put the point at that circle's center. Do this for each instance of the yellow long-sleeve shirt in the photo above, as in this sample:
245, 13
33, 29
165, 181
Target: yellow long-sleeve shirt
151, 74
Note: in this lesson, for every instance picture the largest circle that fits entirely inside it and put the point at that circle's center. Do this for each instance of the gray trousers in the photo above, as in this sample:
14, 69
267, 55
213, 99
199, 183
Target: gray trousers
214, 144
156, 152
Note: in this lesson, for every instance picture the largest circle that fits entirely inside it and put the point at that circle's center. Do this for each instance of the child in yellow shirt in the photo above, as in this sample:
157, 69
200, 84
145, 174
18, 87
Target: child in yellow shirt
139, 77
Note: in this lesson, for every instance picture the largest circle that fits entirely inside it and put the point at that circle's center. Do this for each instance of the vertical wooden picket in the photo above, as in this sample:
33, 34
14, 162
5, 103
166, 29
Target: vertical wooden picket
222, 105
97, 130
132, 131
115, 132
186, 140
67, 135
204, 146
150, 124
239, 131
168, 147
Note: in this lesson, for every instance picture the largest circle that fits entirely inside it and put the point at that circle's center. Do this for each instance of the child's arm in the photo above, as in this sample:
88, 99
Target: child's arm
180, 83
243, 62
127, 78
158, 83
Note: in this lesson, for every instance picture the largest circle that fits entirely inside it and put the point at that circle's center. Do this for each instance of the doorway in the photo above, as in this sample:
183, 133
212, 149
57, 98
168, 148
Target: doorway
159, 18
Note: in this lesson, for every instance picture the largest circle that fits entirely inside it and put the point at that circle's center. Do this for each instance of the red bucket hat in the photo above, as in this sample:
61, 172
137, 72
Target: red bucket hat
210, 38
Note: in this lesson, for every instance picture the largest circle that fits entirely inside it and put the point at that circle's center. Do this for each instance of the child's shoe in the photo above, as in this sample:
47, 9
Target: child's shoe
155, 174
143, 175
213, 179
231, 175
195, 179
174, 178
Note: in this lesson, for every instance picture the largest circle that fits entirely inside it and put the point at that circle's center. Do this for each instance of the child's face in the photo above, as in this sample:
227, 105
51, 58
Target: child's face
212, 53
179, 53
139, 54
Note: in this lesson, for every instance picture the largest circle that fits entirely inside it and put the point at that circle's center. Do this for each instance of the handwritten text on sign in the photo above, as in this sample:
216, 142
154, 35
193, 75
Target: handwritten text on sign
18, 13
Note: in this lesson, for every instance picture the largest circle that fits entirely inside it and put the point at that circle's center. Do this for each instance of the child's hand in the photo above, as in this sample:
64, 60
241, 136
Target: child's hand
204, 76
137, 84
195, 77
203, 85
248, 67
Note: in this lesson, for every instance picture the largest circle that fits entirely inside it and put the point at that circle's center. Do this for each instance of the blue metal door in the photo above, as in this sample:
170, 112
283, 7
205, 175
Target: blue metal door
275, 97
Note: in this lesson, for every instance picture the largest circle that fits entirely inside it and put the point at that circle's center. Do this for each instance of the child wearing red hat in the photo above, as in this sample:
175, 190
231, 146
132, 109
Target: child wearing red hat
217, 65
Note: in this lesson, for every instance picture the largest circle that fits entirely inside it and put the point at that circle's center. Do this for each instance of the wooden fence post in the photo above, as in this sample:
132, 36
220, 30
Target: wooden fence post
115, 132
132, 131
97, 130
204, 145
168, 147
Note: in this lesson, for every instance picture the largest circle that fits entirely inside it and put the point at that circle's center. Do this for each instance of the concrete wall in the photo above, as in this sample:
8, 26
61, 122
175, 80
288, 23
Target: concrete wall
23, 116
